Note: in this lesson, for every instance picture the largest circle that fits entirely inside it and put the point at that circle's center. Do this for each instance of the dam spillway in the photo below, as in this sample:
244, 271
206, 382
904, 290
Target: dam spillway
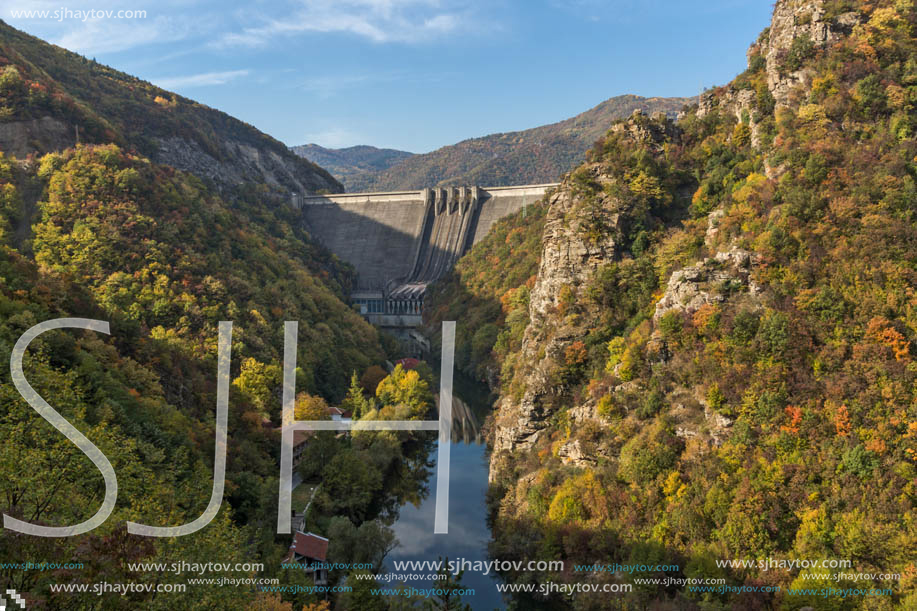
399, 242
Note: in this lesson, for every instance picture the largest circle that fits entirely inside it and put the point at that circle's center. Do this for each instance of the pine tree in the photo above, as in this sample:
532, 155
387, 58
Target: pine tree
355, 401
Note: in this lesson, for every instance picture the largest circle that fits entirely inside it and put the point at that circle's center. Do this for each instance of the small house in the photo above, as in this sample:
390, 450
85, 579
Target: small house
311, 551
300, 441
340, 415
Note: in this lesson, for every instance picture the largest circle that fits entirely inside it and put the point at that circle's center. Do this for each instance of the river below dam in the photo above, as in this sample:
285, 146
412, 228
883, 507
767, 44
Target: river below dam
468, 534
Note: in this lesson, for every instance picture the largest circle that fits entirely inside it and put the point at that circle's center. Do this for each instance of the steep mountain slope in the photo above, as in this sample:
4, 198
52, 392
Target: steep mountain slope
151, 250
100, 231
53, 97
718, 361
532, 156
353, 166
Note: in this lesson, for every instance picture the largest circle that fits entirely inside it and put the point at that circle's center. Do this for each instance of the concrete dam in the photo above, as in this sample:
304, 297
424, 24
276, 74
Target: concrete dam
399, 242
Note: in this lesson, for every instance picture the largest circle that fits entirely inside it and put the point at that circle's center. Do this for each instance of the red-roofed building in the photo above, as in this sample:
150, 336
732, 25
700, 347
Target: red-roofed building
408, 363
309, 549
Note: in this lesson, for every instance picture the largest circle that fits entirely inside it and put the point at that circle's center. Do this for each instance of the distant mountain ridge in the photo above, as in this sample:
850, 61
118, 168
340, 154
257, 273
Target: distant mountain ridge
353, 165
537, 155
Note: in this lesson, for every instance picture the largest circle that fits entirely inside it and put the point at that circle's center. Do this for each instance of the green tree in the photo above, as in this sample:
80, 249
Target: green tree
310, 407
355, 401
260, 381
349, 483
321, 447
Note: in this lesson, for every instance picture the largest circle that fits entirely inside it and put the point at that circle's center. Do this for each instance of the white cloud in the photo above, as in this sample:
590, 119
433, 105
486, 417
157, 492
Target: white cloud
199, 80
335, 137
97, 36
381, 21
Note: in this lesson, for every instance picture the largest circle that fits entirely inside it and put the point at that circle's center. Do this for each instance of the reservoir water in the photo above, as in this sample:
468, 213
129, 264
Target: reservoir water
468, 534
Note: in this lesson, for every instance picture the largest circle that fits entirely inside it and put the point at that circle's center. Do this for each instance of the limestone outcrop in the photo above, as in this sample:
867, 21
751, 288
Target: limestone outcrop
19, 138
798, 27
711, 281
570, 256
798, 20
567, 260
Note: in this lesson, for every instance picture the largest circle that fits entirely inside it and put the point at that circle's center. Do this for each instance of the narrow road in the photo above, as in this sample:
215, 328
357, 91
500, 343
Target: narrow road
305, 512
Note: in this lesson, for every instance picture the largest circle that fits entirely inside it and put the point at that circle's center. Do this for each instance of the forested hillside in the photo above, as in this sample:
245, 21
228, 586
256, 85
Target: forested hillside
533, 156
100, 231
715, 359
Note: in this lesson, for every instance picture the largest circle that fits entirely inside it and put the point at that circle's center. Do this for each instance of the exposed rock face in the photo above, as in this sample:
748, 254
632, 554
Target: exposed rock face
797, 19
652, 132
740, 103
792, 20
19, 138
239, 163
243, 163
572, 453
710, 281
569, 259
694, 420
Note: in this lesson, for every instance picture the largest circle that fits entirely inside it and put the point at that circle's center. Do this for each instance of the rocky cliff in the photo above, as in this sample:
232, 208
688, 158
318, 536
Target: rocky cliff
571, 255
587, 226
796, 28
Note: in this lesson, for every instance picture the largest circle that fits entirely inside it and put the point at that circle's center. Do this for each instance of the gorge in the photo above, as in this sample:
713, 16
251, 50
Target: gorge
701, 338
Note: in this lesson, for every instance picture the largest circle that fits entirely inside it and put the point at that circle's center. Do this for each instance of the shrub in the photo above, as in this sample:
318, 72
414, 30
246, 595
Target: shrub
801, 49
773, 334
870, 94
652, 404
652, 452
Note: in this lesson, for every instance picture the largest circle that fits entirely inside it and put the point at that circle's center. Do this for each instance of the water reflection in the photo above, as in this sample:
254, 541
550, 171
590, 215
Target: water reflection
468, 532
466, 424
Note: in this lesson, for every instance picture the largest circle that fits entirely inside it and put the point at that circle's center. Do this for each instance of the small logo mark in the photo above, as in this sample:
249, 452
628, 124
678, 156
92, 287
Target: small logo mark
14, 596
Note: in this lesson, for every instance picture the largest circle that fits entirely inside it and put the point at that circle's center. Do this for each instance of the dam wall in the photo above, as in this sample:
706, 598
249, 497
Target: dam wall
376, 233
401, 241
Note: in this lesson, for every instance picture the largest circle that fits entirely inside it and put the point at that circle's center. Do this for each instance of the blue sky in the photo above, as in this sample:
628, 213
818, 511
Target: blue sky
409, 74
